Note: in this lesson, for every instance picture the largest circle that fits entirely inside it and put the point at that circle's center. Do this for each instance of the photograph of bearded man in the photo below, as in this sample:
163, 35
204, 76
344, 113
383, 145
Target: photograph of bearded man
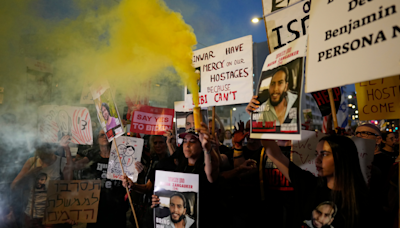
178, 217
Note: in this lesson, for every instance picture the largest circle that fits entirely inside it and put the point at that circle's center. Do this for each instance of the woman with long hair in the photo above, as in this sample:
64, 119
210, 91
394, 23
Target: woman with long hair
338, 196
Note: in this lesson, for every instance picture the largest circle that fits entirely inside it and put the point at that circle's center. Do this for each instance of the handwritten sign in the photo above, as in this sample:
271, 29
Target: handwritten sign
270, 6
287, 25
352, 41
152, 120
130, 151
76, 199
226, 73
279, 92
107, 111
176, 189
379, 99
58, 121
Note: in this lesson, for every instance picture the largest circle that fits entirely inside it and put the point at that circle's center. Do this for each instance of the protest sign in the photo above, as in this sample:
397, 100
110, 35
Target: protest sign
86, 96
362, 44
130, 151
107, 111
58, 121
152, 120
304, 152
279, 91
270, 6
77, 200
379, 99
287, 25
226, 73
323, 102
179, 190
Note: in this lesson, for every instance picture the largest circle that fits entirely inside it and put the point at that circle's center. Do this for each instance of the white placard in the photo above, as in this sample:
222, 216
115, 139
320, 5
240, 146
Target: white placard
58, 121
226, 73
270, 6
352, 41
130, 151
287, 25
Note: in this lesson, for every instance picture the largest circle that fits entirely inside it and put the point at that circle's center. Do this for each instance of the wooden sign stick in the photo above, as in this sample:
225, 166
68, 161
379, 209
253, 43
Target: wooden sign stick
333, 108
126, 187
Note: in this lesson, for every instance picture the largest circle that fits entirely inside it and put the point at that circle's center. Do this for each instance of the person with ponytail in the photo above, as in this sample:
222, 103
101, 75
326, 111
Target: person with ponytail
340, 184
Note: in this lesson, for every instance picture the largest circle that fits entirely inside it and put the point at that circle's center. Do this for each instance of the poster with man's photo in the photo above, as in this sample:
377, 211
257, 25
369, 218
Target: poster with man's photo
107, 111
185, 119
179, 195
279, 94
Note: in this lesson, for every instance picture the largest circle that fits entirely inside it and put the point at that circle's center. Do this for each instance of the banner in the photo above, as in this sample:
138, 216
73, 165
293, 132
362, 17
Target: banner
184, 118
279, 93
130, 151
379, 99
58, 121
226, 73
179, 196
107, 111
287, 25
352, 41
304, 152
152, 120
270, 6
323, 102
77, 200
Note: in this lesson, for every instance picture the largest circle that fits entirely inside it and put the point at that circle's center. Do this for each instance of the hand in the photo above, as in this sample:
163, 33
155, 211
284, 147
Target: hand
127, 182
248, 165
139, 167
169, 134
204, 137
65, 140
239, 136
155, 201
253, 105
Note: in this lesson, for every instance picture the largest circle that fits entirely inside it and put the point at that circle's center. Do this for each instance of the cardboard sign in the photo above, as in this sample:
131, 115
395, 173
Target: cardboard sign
379, 99
58, 121
279, 93
352, 41
304, 152
75, 199
107, 111
176, 189
323, 102
152, 120
270, 6
287, 25
226, 73
130, 151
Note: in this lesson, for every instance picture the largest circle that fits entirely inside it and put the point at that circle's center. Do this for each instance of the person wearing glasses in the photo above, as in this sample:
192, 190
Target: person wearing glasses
370, 131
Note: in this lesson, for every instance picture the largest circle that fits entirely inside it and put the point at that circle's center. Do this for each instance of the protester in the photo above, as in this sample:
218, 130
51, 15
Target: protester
36, 173
196, 155
228, 139
388, 147
370, 131
340, 181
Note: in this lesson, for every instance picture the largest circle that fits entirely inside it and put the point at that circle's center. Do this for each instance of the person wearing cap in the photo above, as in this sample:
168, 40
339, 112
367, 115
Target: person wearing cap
369, 131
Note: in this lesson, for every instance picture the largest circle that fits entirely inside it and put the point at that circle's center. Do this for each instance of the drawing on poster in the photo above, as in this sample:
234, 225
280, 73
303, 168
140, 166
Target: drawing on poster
130, 152
178, 194
56, 122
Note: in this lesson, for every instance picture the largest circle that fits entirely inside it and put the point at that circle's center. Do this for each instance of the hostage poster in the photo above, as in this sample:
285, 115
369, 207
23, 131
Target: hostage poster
279, 94
130, 152
179, 195
107, 111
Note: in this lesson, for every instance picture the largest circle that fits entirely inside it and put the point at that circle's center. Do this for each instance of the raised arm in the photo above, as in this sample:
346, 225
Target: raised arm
68, 171
274, 153
211, 159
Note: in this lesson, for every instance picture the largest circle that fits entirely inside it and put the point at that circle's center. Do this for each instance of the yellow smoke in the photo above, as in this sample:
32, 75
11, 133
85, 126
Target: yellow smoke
130, 43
